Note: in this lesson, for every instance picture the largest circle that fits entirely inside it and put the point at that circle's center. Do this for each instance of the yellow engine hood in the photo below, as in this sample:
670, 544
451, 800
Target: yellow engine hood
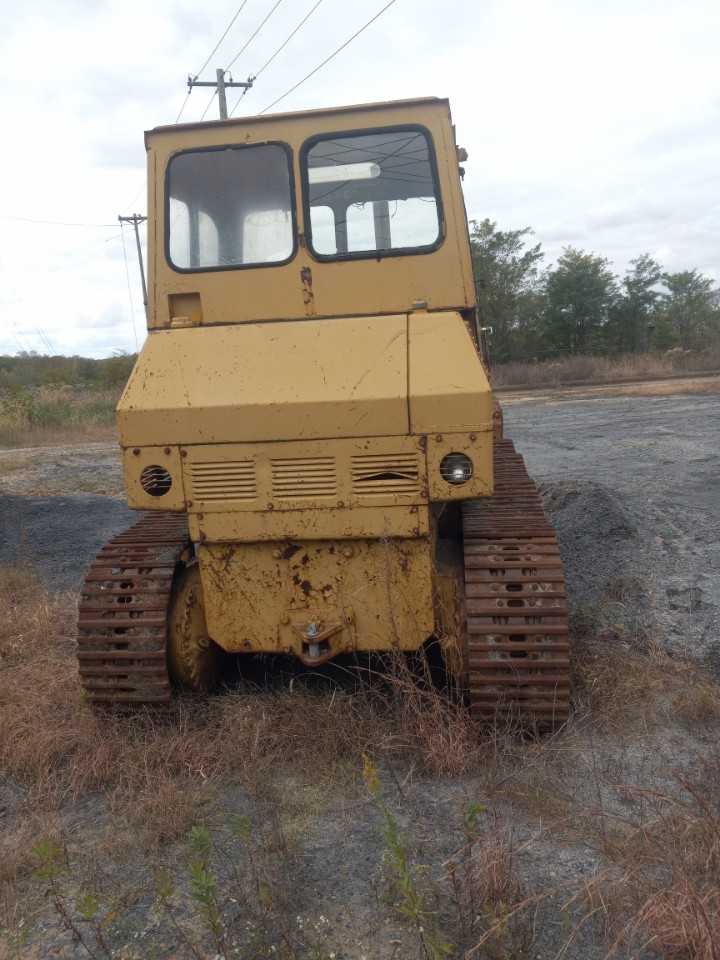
305, 380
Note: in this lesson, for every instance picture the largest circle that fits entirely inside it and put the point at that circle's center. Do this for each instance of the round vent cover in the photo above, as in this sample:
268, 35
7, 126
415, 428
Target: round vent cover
155, 481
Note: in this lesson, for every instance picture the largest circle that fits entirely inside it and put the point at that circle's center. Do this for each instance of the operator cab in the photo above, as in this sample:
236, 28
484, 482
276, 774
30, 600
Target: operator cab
346, 212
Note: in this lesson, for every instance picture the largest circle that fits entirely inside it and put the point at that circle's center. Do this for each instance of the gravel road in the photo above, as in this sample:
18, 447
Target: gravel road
630, 481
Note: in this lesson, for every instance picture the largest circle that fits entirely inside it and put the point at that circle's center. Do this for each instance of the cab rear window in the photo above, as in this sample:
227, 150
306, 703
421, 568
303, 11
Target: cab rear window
372, 194
230, 207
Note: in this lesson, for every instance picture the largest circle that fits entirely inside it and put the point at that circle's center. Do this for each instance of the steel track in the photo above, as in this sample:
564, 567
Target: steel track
517, 644
517, 648
122, 623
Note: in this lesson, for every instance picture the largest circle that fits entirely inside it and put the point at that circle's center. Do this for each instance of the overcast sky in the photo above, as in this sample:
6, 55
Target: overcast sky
596, 122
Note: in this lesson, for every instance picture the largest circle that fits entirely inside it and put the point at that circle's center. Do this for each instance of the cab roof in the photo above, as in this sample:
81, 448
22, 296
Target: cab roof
296, 114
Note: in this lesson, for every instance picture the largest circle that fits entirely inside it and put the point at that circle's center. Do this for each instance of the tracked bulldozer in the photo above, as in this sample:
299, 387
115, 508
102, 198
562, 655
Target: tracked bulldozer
309, 430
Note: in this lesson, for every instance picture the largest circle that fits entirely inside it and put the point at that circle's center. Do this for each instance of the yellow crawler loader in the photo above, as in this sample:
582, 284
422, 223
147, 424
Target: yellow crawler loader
308, 430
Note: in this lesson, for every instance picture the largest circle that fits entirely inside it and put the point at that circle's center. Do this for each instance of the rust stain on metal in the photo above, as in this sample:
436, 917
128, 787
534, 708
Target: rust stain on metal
307, 290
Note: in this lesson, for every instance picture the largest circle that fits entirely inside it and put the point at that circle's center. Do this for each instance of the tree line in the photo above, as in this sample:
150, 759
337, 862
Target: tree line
580, 306
29, 369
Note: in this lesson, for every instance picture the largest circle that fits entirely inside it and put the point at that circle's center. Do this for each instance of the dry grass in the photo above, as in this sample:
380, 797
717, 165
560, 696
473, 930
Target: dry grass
53, 744
54, 436
150, 777
615, 684
590, 369
664, 892
56, 414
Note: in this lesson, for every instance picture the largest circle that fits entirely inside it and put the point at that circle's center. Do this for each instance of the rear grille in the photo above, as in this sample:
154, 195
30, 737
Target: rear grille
376, 474
223, 480
306, 477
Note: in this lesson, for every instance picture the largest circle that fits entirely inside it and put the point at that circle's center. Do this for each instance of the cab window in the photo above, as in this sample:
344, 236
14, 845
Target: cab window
372, 194
230, 207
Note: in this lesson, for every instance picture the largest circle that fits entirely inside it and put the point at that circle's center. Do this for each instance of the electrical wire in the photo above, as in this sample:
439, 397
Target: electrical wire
184, 104
279, 50
328, 59
56, 223
209, 104
129, 287
217, 45
250, 39
208, 59
197, 74
240, 53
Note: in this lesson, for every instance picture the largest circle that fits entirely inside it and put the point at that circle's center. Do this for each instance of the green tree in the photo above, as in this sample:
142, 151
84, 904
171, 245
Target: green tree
580, 294
632, 319
507, 287
690, 316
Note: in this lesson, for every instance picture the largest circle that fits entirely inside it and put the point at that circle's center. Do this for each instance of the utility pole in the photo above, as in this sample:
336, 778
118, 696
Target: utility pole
222, 85
136, 219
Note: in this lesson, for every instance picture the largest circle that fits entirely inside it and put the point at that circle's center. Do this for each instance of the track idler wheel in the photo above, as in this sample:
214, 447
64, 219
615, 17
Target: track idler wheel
194, 660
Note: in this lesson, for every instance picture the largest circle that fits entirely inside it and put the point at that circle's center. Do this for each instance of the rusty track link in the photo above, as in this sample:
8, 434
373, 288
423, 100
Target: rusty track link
122, 623
517, 644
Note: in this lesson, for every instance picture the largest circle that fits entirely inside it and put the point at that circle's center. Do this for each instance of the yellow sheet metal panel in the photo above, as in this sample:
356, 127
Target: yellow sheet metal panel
448, 387
360, 522
478, 447
281, 381
306, 287
322, 474
361, 595
146, 485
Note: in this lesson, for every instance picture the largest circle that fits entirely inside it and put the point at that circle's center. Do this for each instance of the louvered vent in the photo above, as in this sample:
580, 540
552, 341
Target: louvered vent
385, 473
223, 480
307, 477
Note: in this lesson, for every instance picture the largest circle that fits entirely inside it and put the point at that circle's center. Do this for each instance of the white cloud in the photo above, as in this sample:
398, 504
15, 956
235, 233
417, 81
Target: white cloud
596, 124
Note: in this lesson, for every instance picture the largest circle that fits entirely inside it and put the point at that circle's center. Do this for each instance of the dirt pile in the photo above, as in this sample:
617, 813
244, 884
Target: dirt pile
629, 578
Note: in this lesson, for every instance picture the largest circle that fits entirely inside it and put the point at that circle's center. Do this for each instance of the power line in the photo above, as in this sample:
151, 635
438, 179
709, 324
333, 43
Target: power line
129, 287
217, 45
209, 104
240, 52
279, 50
181, 110
207, 61
328, 59
250, 39
45, 340
56, 223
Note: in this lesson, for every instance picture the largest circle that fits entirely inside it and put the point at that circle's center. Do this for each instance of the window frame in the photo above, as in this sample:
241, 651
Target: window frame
371, 254
287, 149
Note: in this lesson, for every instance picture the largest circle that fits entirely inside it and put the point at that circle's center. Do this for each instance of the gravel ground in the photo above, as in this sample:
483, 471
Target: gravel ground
631, 485
59, 535
70, 469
